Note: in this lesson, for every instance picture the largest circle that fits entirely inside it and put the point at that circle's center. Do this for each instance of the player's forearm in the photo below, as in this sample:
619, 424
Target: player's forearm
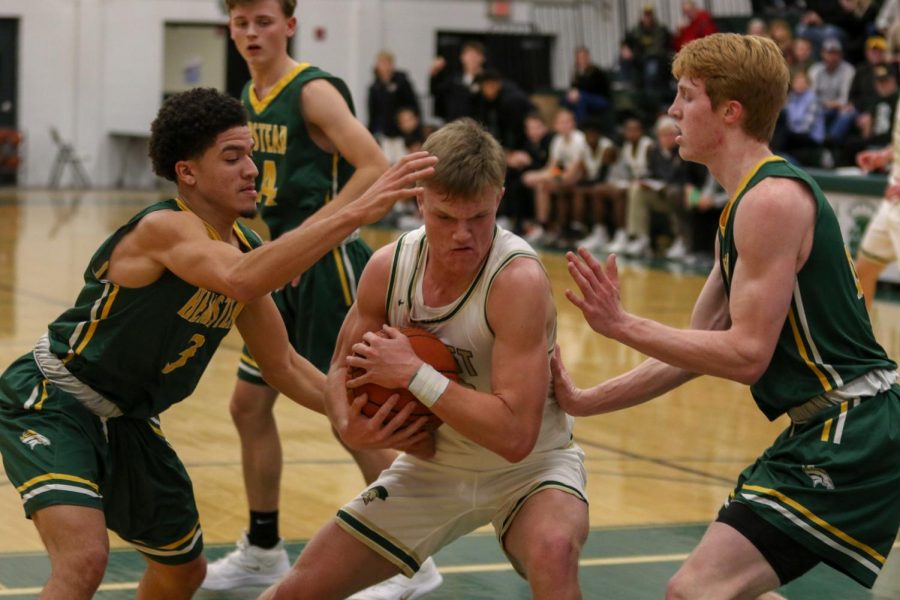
363, 177
650, 379
300, 381
336, 401
490, 421
276, 263
727, 353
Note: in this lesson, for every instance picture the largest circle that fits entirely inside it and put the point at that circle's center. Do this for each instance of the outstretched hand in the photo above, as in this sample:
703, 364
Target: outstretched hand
600, 304
395, 184
568, 396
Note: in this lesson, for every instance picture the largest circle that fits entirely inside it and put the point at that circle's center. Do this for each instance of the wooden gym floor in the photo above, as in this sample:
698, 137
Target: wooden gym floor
657, 472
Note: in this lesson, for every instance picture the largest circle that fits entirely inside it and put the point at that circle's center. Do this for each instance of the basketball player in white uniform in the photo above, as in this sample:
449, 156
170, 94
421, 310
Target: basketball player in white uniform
505, 453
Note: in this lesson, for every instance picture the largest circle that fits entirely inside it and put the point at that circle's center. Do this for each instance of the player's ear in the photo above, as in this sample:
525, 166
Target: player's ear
184, 172
733, 112
292, 26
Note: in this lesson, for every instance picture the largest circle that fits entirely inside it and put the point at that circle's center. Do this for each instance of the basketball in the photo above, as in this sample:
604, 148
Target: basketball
431, 350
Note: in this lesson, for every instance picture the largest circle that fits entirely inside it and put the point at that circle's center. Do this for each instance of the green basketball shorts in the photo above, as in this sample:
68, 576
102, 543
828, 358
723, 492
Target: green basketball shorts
56, 452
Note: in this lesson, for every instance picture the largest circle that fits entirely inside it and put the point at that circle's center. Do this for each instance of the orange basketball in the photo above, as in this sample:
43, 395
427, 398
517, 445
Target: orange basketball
431, 350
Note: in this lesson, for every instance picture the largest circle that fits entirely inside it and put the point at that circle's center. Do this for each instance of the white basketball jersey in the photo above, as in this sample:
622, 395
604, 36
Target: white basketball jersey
462, 325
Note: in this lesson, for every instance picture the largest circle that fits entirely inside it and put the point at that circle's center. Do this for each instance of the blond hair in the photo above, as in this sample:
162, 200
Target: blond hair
470, 160
287, 6
746, 68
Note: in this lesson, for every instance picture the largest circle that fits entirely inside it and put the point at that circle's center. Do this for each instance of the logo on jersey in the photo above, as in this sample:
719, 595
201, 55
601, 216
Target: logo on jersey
376, 493
269, 137
211, 309
819, 477
33, 439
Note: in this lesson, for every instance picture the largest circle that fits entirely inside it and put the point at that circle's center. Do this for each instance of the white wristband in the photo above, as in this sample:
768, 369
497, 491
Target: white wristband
427, 385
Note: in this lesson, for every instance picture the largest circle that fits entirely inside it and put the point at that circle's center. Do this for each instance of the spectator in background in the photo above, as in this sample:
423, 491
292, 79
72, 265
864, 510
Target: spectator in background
757, 26
502, 107
592, 189
781, 33
801, 128
816, 26
704, 198
389, 92
650, 43
624, 175
589, 92
455, 92
831, 79
696, 23
802, 55
563, 170
410, 136
876, 116
863, 87
660, 190
517, 206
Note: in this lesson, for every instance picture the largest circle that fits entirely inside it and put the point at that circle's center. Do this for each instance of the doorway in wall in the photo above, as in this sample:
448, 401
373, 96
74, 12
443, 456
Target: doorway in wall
10, 138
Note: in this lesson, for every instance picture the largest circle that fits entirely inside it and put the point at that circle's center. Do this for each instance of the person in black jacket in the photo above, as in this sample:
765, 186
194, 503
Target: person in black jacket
502, 108
390, 92
589, 92
455, 93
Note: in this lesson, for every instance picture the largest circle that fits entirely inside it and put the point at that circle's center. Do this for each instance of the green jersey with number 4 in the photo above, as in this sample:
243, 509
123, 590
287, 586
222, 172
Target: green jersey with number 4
143, 348
296, 177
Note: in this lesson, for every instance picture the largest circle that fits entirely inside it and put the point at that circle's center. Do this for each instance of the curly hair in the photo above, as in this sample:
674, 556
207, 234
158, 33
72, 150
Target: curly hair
188, 123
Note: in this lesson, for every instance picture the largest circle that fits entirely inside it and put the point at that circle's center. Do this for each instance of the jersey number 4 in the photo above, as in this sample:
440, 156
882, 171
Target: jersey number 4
267, 187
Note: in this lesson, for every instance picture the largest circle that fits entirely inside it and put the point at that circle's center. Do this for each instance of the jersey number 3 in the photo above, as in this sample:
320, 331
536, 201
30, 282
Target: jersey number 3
267, 187
196, 341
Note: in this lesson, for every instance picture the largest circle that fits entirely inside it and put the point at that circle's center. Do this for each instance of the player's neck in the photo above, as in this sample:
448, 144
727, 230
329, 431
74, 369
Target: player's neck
213, 215
265, 76
734, 164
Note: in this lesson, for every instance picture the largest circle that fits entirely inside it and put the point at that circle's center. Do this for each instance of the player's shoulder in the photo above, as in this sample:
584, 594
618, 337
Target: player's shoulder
778, 192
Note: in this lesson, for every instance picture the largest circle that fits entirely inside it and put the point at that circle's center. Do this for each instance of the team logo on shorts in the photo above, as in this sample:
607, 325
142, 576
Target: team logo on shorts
819, 477
32, 439
375, 493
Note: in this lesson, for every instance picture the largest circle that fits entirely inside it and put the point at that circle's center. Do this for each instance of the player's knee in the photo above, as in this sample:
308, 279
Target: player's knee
681, 586
193, 573
555, 554
83, 569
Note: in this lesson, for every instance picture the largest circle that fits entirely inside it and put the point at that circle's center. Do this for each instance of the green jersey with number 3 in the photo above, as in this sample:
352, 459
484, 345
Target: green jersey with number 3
296, 177
143, 348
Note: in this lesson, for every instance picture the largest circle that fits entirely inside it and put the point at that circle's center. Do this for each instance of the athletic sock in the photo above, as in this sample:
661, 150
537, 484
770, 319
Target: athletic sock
263, 529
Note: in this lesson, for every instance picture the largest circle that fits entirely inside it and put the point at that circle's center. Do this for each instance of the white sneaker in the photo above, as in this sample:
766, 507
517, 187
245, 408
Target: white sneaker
638, 246
247, 566
400, 587
597, 241
618, 243
677, 251
534, 234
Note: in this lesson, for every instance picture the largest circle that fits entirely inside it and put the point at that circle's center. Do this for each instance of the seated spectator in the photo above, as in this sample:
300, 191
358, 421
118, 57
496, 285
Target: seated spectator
563, 170
593, 191
502, 107
589, 92
801, 130
517, 206
862, 89
831, 79
704, 199
455, 91
817, 29
626, 83
876, 118
757, 26
802, 55
660, 190
390, 92
781, 33
696, 23
409, 138
624, 175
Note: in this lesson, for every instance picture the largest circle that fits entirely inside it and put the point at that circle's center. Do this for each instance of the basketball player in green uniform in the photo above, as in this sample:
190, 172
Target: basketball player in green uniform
310, 150
80, 432
782, 311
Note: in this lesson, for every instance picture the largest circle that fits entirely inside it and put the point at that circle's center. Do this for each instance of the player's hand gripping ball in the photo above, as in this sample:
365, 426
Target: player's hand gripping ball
432, 351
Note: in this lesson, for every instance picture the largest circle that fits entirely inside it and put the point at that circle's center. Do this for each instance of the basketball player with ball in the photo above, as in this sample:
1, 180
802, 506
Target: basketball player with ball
504, 454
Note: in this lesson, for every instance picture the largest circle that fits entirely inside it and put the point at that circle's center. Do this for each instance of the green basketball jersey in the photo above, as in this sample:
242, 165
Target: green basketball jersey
827, 339
296, 177
144, 348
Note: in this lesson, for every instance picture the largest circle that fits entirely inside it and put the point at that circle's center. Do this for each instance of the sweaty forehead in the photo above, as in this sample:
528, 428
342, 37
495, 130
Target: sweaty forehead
236, 136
